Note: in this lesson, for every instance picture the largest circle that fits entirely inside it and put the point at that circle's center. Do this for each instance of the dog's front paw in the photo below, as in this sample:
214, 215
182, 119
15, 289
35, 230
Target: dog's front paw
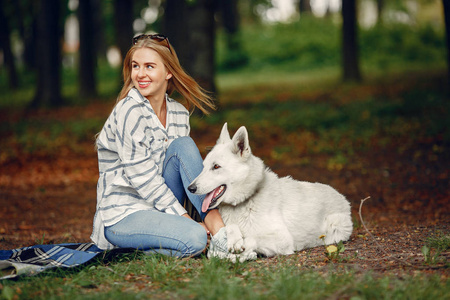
235, 239
241, 257
251, 255
228, 243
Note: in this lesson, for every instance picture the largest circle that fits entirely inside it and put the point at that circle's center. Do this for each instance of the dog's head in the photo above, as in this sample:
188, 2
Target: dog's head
225, 170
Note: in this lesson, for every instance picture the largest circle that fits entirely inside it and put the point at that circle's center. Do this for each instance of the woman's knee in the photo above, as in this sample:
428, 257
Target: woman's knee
185, 149
183, 141
198, 239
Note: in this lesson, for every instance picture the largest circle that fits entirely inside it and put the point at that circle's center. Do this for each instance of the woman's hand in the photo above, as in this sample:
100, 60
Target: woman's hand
201, 223
204, 226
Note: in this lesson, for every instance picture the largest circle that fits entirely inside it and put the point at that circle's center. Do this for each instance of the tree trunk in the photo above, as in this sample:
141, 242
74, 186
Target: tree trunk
48, 47
380, 9
88, 53
304, 6
446, 4
5, 45
175, 27
190, 27
26, 16
350, 54
202, 39
230, 19
123, 24
99, 28
229, 15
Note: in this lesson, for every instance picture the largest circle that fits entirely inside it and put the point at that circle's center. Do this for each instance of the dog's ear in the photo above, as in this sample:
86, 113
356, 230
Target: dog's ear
224, 135
241, 143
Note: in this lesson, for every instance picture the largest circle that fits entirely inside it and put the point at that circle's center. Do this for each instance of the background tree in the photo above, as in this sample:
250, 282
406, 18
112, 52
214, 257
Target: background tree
5, 45
25, 12
230, 20
350, 53
190, 25
123, 24
304, 6
446, 5
99, 35
174, 26
380, 9
48, 39
88, 53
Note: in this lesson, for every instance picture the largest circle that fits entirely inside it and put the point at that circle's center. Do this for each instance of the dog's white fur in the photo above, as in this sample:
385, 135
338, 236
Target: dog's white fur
266, 214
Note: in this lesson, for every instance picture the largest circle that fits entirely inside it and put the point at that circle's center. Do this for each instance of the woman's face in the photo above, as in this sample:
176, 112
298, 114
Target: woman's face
148, 73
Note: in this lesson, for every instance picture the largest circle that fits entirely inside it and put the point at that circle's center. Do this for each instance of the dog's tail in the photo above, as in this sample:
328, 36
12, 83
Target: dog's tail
339, 227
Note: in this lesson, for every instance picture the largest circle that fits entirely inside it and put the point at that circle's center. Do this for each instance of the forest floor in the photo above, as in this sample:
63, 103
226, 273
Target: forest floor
51, 198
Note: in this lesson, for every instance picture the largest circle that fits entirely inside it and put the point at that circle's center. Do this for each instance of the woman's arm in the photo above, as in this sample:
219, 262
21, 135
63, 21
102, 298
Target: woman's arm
213, 221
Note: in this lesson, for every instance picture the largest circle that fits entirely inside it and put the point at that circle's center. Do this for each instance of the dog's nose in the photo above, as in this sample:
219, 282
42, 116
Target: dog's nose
192, 188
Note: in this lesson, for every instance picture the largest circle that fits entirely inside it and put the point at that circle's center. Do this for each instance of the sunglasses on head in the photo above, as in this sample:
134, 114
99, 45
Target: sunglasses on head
158, 37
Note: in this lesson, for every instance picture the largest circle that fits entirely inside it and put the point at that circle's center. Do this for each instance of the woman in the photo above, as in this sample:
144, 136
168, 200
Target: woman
147, 159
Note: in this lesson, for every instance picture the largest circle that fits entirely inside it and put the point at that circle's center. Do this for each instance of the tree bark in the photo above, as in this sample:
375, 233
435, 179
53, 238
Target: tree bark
202, 40
99, 28
350, 53
175, 27
230, 19
380, 9
26, 16
123, 24
446, 5
5, 45
190, 27
229, 15
48, 47
88, 53
304, 6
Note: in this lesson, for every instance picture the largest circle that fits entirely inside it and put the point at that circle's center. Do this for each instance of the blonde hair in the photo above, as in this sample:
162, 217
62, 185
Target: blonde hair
192, 92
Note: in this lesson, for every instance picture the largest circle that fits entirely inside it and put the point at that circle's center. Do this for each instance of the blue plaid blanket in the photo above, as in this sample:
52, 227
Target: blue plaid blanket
29, 261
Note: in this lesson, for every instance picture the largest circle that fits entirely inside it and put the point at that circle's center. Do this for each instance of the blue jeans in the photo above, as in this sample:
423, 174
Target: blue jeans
155, 231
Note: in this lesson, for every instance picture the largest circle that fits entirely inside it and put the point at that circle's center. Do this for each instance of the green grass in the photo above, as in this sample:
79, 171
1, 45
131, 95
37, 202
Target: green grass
434, 246
312, 44
47, 136
137, 276
337, 121
440, 241
108, 84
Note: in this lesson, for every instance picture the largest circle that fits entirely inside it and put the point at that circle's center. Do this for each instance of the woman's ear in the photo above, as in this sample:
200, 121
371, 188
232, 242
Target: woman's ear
169, 75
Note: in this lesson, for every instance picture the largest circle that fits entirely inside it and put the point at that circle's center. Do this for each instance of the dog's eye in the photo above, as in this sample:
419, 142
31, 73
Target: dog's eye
216, 166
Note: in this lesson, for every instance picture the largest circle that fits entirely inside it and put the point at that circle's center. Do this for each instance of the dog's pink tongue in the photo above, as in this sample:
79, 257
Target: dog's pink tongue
207, 201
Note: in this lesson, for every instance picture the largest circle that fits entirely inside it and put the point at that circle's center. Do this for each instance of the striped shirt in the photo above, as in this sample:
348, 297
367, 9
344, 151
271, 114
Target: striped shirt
131, 150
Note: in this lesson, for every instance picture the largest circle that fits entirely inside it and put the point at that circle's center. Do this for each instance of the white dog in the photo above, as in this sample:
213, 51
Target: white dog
263, 213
